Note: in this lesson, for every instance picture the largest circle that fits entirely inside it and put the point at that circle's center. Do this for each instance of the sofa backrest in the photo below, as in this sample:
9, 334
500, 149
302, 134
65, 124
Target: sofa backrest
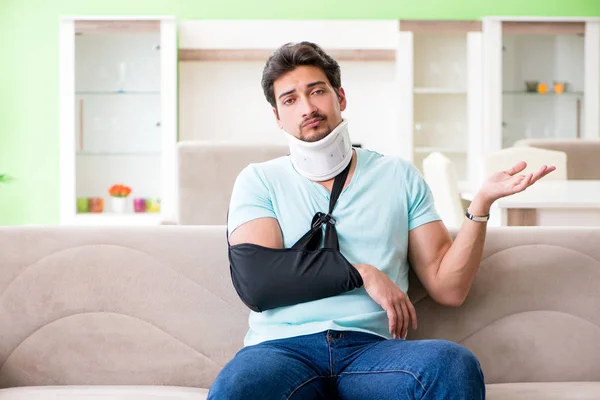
583, 156
114, 305
533, 312
155, 305
207, 172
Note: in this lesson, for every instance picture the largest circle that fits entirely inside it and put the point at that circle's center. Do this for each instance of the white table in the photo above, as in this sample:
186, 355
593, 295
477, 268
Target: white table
553, 203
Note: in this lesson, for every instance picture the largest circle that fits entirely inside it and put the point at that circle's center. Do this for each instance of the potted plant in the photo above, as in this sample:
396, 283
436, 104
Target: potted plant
118, 197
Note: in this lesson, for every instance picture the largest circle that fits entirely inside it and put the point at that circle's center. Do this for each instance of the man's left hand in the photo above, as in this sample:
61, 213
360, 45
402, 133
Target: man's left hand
507, 183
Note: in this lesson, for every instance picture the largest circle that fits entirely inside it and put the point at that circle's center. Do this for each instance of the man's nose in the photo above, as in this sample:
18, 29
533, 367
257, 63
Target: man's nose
308, 108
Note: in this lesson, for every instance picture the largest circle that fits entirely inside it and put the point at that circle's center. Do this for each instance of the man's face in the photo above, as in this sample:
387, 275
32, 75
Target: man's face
308, 106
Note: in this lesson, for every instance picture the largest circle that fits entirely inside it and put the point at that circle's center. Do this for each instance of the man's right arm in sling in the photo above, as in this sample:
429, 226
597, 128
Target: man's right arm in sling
261, 231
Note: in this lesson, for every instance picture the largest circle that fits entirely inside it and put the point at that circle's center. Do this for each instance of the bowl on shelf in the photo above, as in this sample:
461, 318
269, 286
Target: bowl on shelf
560, 87
531, 86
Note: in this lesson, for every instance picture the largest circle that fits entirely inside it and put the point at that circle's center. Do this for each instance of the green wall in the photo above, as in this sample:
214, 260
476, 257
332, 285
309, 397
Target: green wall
29, 107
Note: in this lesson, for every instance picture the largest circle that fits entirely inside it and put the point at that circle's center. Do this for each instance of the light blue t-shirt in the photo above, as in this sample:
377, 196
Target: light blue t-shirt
386, 198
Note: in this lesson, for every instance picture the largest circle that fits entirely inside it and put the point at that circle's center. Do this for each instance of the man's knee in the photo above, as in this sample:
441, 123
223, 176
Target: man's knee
459, 367
242, 376
232, 383
260, 373
466, 362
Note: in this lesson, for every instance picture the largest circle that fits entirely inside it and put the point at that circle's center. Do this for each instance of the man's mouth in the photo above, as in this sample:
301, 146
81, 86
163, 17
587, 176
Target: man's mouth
311, 123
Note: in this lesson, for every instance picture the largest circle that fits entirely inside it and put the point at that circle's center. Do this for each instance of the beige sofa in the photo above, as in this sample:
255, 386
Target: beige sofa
150, 312
583, 156
207, 172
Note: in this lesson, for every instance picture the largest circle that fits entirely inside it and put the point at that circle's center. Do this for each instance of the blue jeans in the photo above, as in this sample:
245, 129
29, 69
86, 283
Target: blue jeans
350, 365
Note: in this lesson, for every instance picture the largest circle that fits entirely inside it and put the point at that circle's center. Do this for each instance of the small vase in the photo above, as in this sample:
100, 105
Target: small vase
153, 205
139, 205
83, 205
118, 204
95, 204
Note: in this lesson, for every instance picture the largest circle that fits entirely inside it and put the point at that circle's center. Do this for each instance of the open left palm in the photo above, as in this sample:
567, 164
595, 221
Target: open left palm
506, 183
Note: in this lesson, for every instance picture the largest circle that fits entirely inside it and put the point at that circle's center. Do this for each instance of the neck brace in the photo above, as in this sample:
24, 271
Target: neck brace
324, 159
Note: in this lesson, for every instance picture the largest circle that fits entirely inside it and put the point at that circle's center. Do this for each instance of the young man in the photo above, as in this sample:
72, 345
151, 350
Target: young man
351, 345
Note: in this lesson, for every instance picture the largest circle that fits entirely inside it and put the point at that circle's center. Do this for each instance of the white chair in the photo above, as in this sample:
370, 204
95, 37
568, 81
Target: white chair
505, 159
440, 175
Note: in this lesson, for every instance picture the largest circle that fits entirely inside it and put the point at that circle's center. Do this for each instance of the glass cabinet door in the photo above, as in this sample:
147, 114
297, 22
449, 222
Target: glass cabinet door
542, 80
118, 115
440, 97
439, 88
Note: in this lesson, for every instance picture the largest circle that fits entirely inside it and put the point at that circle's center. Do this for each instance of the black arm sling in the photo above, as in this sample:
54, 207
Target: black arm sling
266, 278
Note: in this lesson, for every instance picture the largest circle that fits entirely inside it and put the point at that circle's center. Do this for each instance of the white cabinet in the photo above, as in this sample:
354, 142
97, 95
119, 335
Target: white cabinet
438, 73
118, 118
541, 79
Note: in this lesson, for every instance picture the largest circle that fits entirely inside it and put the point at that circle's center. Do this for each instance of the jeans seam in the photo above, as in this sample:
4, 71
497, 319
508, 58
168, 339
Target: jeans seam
388, 371
302, 384
330, 357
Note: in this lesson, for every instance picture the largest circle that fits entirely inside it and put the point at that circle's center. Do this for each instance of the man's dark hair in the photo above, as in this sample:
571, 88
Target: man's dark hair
292, 55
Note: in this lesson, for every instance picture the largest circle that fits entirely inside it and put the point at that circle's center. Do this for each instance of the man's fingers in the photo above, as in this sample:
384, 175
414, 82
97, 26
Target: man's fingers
520, 166
405, 319
540, 173
525, 182
543, 172
399, 321
516, 180
413, 313
529, 181
391, 313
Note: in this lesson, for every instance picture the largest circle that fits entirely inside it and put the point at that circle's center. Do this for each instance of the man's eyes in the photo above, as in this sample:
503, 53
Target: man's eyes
291, 100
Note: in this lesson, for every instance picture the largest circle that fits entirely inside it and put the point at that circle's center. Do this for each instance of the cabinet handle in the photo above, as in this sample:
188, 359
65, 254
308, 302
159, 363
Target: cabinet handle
578, 122
80, 124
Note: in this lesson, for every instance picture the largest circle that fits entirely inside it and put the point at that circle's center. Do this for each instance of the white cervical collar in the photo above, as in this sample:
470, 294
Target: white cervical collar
324, 159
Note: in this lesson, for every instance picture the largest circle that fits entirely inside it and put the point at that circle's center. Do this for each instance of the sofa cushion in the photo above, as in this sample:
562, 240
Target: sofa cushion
103, 392
501, 391
544, 391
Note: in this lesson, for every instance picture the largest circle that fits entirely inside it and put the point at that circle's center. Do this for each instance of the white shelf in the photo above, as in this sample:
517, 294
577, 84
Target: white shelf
108, 218
117, 93
434, 90
440, 149
124, 153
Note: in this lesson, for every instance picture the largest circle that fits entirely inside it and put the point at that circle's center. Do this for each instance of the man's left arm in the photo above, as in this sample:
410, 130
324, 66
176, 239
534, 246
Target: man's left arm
447, 268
